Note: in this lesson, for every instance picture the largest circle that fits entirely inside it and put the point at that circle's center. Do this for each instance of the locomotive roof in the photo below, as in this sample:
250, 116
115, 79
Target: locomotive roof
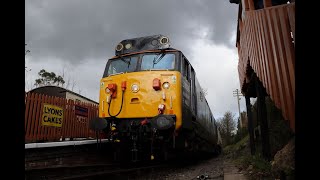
147, 51
154, 42
53, 90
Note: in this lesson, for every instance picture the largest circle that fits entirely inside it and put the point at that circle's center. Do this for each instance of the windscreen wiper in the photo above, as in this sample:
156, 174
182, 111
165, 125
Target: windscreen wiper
157, 58
128, 62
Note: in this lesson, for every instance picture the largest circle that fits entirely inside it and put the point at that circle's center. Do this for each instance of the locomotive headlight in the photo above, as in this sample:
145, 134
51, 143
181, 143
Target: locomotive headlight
166, 85
128, 46
164, 40
135, 88
119, 47
107, 90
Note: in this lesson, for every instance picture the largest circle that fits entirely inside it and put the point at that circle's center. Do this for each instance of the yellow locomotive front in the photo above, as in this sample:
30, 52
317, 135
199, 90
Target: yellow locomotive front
141, 97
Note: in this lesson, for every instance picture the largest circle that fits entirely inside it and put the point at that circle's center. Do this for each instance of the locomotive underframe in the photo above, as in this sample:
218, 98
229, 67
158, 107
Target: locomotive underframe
140, 139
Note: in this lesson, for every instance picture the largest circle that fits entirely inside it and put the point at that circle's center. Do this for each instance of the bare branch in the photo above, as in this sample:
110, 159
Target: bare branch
73, 84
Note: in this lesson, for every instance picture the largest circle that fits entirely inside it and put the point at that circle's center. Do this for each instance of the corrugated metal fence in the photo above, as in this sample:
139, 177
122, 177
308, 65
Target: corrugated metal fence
267, 45
73, 125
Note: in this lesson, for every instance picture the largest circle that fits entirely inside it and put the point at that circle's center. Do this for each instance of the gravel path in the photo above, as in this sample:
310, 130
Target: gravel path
205, 169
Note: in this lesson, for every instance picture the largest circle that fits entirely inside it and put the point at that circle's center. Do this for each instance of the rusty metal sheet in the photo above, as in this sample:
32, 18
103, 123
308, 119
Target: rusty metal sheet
268, 26
261, 50
289, 49
284, 67
277, 61
257, 47
265, 41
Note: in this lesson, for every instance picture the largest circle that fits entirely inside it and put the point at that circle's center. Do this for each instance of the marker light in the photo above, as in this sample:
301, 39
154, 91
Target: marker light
166, 85
113, 89
135, 88
124, 85
156, 84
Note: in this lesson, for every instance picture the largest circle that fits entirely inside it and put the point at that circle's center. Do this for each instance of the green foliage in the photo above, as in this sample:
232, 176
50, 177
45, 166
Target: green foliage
226, 126
279, 131
47, 78
241, 132
259, 164
279, 135
237, 146
240, 155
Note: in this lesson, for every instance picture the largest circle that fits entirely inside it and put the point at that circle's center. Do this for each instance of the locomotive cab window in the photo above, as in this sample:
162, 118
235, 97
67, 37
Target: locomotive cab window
158, 61
115, 66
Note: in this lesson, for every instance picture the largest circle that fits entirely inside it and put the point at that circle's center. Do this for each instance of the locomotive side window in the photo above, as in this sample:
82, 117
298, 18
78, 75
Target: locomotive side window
185, 68
158, 61
127, 64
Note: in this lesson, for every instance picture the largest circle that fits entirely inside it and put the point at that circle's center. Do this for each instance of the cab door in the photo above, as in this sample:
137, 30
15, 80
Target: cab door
186, 94
186, 84
193, 93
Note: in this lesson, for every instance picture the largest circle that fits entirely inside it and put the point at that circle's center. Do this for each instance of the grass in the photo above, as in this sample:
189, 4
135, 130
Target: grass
233, 148
241, 156
257, 162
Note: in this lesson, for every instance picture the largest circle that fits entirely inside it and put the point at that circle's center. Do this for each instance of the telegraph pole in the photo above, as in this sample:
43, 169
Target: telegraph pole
236, 93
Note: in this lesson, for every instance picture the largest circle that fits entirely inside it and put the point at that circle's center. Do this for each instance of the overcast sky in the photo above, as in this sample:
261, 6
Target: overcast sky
78, 36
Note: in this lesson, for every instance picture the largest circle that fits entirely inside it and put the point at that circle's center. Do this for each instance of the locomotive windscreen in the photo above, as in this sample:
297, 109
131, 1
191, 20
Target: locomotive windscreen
149, 61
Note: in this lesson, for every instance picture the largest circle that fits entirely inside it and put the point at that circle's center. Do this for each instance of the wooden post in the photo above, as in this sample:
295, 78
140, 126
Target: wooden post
251, 5
250, 125
262, 117
245, 5
267, 3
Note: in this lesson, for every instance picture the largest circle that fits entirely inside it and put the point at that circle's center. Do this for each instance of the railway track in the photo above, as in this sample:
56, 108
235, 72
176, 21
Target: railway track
91, 171
89, 163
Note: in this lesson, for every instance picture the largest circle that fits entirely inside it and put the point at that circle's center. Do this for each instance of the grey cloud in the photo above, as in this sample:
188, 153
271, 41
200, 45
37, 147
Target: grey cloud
76, 30
81, 34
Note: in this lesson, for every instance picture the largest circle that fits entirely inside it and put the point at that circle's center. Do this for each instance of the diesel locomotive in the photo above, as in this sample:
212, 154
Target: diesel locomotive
151, 103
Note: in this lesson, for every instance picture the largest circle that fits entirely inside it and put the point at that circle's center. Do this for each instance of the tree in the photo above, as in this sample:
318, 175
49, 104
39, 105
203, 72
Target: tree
58, 80
47, 78
241, 127
25, 53
70, 81
227, 127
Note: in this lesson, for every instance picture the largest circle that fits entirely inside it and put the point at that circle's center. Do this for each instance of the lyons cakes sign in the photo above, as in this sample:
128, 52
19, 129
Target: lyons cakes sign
52, 115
